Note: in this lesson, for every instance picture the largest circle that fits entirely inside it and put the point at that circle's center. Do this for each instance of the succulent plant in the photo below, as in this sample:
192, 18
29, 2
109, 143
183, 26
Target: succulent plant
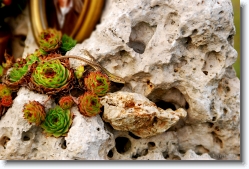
17, 73
6, 101
34, 112
98, 83
51, 77
57, 122
67, 43
4, 91
32, 58
49, 39
66, 102
89, 104
79, 71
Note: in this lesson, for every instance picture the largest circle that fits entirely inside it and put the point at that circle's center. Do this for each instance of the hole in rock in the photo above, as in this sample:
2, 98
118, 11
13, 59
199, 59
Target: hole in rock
165, 105
134, 156
110, 154
123, 144
182, 151
187, 40
140, 35
114, 87
214, 118
187, 106
227, 89
4, 140
63, 143
137, 46
98, 129
101, 111
221, 12
194, 32
151, 144
210, 125
170, 98
165, 154
148, 82
225, 111
22, 37
26, 136
133, 135
205, 72
155, 120
154, 7
76, 92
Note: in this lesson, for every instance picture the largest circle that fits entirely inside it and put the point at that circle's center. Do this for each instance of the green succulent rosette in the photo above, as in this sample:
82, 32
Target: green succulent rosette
67, 43
34, 112
89, 104
49, 39
17, 74
97, 82
51, 77
57, 122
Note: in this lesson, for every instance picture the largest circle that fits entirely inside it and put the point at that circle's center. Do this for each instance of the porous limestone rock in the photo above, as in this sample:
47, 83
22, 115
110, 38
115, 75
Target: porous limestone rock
20, 140
178, 54
135, 113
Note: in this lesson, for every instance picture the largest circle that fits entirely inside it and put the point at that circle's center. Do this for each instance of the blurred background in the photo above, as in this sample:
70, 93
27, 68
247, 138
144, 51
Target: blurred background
236, 9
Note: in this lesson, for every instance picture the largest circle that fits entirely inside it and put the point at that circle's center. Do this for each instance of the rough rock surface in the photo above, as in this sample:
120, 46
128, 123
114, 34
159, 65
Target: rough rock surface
135, 113
20, 141
176, 55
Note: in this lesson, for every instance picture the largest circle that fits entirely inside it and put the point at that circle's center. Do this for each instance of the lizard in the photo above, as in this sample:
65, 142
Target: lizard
94, 64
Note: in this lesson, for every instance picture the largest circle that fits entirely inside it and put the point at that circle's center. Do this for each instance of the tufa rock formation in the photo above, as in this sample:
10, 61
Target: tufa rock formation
178, 55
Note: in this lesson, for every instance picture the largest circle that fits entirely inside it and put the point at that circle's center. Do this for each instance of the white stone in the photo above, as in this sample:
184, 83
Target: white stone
135, 113
19, 140
180, 52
